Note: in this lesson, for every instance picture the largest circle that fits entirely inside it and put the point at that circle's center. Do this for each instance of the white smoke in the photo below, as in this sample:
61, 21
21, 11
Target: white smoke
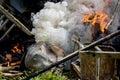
50, 25
116, 21
57, 22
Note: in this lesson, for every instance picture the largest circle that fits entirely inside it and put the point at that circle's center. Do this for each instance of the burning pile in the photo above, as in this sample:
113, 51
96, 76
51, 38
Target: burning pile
57, 23
57, 29
13, 56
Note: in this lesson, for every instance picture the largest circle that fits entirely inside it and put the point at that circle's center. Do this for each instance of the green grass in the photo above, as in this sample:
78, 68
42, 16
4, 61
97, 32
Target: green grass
49, 75
0, 77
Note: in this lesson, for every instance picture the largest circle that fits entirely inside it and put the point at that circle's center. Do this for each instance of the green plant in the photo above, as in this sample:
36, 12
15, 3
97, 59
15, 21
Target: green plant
0, 77
50, 76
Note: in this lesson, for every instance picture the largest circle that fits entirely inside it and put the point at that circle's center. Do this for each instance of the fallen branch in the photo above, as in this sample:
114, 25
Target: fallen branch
3, 69
75, 54
12, 73
15, 20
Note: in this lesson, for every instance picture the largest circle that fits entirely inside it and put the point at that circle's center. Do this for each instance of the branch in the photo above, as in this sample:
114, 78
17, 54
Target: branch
114, 14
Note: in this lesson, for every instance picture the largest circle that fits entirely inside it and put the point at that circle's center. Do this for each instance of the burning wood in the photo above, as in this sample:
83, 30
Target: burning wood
12, 36
15, 49
54, 27
11, 60
96, 18
13, 56
59, 28
12, 49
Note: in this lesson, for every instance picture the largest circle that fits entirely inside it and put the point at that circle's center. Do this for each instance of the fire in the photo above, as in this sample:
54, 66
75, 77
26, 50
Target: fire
96, 18
15, 48
9, 57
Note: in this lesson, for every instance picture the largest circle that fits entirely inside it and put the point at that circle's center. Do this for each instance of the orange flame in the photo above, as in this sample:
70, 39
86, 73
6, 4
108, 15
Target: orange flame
96, 18
15, 48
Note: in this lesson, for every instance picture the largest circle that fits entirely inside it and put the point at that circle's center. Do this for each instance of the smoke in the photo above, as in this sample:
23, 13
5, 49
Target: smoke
56, 23
116, 22
48, 25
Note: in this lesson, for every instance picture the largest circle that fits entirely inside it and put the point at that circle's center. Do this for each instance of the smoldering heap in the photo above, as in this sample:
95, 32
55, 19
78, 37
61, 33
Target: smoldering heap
56, 24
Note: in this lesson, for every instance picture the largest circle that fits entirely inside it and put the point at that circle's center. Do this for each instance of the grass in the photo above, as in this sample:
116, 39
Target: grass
49, 75
0, 77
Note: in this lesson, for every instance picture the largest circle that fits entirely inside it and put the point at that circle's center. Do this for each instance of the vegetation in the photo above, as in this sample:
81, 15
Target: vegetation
49, 75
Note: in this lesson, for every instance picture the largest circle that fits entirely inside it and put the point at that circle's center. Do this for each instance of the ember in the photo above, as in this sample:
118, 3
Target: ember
13, 56
15, 48
11, 38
